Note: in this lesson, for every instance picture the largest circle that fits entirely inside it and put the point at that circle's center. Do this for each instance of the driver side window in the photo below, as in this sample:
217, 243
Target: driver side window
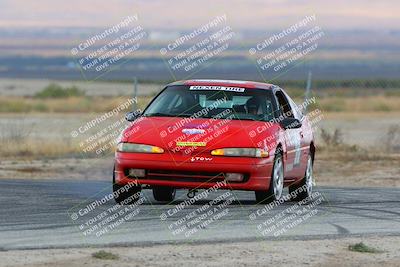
284, 108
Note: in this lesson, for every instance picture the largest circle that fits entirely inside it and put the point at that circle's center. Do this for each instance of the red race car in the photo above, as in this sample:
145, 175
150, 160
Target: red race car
220, 134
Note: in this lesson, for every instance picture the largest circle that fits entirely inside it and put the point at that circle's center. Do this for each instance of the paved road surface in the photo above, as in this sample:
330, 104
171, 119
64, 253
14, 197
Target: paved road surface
57, 214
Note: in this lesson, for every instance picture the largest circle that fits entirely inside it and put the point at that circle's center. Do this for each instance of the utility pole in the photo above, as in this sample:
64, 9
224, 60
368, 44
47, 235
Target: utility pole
135, 85
308, 88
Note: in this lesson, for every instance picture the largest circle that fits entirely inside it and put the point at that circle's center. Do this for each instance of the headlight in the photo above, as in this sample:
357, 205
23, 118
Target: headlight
241, 152
138, 148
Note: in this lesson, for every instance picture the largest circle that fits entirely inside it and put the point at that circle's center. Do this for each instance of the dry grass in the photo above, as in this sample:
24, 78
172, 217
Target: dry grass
359, 104
34, 148
391, 141
333, 147
353, 153
80, 104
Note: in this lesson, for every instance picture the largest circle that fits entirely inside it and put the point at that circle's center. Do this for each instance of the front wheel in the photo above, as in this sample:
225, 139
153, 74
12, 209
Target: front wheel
164, 193
127, 195
275, 189
304, 189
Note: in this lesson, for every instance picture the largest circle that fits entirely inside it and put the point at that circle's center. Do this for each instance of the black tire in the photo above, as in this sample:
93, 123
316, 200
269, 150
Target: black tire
273, 193
164, 193
303, 189
127, 196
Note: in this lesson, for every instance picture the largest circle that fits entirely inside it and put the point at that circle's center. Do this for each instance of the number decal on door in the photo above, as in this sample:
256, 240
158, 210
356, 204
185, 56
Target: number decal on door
297, 154
294, 140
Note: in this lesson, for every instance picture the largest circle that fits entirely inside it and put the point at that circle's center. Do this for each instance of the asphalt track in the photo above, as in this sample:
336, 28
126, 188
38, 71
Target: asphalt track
50, 214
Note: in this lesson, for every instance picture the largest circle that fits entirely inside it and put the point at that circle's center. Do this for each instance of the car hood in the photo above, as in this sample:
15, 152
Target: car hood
171, 133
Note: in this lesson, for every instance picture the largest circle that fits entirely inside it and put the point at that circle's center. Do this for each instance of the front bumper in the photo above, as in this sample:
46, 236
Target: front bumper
186, 174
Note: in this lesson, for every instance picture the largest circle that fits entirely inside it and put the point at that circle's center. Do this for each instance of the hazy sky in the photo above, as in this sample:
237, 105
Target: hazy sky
251, 14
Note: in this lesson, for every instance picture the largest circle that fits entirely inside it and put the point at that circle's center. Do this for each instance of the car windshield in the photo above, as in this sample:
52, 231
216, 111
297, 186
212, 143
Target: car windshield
218, 102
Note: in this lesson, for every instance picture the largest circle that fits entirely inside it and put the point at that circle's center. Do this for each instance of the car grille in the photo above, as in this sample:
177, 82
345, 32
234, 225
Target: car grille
183, 176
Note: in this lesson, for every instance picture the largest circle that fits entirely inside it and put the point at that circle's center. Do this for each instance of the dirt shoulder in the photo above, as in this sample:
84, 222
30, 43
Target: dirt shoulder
332, 252
58, 169
357, 170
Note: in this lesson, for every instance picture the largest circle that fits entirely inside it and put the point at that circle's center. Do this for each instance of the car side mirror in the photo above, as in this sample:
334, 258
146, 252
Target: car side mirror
290, 123
132, 115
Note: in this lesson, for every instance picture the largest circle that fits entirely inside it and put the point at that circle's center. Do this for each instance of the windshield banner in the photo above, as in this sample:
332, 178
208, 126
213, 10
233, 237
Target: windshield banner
217, 88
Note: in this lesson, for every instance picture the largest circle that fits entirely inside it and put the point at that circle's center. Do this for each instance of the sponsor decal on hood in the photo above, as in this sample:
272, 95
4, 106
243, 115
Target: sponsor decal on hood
193, 131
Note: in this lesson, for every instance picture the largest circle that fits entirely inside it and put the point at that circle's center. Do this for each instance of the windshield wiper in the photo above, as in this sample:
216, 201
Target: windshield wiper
245, 119
183, 115
158, 114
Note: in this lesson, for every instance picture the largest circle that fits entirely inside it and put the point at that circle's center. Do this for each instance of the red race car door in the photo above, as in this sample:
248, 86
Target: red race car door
293, 139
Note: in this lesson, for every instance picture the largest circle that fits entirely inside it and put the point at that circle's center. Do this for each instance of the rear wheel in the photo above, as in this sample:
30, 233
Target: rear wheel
164, 193
276, 183
125, 194
303, 189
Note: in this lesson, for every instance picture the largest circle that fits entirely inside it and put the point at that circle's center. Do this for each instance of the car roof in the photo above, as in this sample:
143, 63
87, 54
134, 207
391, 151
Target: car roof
233, 83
